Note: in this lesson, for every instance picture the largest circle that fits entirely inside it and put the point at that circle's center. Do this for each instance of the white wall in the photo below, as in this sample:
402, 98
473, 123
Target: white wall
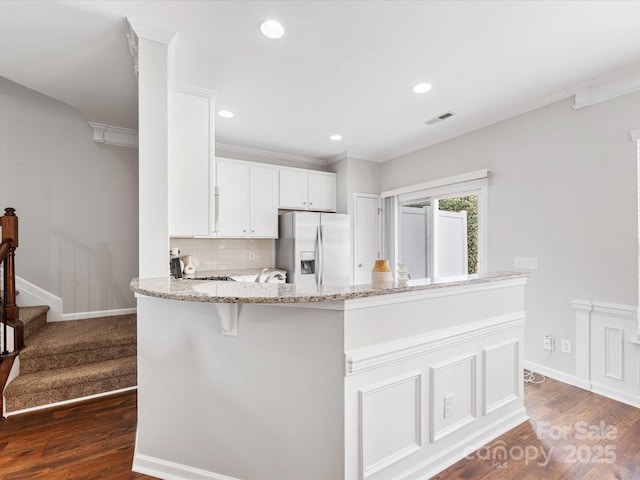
76, 200
354, 176
563, 189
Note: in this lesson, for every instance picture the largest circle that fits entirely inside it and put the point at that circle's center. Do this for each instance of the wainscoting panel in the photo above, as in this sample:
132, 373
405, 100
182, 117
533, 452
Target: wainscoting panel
390, 420
613, 352
453, 396
500, 376
607, 352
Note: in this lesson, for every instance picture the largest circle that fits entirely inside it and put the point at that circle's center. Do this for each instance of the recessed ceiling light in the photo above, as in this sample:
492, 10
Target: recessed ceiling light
422, 87
272, 29
335, 138
225, 114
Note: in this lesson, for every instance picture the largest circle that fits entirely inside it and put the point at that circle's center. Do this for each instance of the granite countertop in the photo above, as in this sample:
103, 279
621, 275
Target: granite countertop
251, 292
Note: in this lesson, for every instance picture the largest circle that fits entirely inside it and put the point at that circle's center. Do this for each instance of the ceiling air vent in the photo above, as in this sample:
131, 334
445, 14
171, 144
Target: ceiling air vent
439, 118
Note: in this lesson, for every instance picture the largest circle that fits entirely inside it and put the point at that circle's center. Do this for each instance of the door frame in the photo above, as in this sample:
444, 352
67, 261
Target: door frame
354, 237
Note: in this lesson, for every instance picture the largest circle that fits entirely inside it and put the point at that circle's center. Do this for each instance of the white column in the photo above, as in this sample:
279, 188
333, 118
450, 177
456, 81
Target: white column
635, 135
152, 48
583, 309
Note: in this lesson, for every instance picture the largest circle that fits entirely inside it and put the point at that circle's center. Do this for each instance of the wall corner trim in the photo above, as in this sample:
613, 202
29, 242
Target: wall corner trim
635, 135
112, 135
606, 87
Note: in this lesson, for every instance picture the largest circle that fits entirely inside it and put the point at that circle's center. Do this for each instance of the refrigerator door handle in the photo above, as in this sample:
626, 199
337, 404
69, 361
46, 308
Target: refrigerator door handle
321, 254
317, 265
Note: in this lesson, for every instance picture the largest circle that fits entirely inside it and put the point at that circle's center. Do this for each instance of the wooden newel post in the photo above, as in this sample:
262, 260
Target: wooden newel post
10, 233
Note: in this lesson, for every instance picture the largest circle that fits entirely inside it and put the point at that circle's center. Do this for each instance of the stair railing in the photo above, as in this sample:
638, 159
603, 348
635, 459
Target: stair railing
9, 224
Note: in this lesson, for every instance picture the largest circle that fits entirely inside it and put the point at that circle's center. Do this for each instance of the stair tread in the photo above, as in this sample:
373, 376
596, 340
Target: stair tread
52, 379
77, 335
27, 314
33, 318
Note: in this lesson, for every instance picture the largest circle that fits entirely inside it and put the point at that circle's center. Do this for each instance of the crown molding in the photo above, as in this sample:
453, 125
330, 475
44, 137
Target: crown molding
223, 147
139, 30
606, 87
519, 110
112, 135
635, 135
337, 158
148, 32
193, 90
344, 155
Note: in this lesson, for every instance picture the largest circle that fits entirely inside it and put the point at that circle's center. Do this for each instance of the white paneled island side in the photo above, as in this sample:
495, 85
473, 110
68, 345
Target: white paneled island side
286, 382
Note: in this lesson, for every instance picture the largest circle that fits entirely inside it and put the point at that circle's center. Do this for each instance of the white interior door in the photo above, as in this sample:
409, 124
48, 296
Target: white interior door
367, 236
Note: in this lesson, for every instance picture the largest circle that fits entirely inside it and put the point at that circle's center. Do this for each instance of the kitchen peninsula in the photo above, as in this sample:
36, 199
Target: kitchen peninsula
282, 381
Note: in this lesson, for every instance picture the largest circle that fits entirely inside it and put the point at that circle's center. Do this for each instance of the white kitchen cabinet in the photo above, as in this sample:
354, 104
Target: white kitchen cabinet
247, 199
307, 190
233, 198
191, 157
263, 201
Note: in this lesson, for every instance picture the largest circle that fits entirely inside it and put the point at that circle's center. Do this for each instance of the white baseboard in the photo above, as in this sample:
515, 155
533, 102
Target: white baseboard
97, 314
618, 395
73, 400
31, 295
557, 375
605, 391
157, 467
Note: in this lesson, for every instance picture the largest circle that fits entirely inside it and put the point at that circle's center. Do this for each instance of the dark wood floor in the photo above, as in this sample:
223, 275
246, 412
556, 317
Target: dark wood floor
87, 440
572, 435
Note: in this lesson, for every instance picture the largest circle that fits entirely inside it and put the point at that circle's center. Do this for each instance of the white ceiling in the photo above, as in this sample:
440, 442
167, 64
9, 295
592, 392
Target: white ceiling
344, 67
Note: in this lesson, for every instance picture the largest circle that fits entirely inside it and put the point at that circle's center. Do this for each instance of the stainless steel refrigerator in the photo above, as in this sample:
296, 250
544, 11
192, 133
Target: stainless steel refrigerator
314, 248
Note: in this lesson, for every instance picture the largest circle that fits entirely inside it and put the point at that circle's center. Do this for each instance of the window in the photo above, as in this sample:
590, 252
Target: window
438, 228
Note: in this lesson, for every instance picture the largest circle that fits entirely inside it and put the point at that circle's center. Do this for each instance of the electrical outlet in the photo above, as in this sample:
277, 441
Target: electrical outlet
526, 263
548, 343
520, 262
448, 405
565, 346
252, 256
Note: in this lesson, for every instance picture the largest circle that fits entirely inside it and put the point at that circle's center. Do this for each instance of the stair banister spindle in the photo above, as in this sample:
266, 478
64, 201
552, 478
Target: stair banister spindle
9, 223
5, 349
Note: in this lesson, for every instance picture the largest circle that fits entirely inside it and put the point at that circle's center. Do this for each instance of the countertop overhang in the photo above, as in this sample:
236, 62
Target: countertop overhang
240, 292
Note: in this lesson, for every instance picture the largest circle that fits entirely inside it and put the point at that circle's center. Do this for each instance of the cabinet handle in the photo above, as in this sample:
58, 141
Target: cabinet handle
216, 208
304, 203
245, 230
310, 203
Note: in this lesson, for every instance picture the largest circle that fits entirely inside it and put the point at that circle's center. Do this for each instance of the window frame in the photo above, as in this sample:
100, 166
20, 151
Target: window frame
472, 183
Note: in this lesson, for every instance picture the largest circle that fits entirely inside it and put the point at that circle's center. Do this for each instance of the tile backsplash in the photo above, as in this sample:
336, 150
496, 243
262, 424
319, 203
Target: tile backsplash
225, 253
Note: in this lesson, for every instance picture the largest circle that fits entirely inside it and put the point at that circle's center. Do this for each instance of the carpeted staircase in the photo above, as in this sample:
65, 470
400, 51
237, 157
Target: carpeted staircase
73, 359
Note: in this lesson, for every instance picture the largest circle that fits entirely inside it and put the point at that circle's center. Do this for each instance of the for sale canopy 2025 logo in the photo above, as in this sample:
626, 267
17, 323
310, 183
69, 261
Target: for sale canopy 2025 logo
579, 443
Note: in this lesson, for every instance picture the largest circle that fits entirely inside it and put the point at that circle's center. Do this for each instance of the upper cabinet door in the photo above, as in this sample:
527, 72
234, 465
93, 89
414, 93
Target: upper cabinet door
322, 191
307, 190
293, 189
233, 208
263, 183
190, 163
